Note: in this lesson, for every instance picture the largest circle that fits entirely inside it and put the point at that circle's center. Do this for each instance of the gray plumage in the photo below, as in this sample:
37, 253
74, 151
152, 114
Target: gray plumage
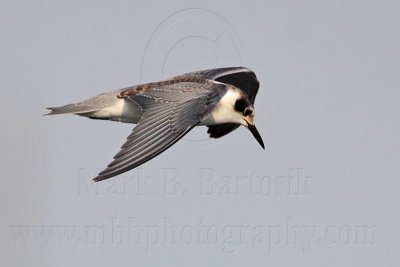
87, 106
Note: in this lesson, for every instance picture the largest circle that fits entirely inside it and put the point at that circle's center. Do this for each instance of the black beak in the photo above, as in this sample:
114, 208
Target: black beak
256, 134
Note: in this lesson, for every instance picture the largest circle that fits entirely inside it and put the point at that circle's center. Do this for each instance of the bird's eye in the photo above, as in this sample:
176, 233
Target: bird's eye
247, 112
240, 105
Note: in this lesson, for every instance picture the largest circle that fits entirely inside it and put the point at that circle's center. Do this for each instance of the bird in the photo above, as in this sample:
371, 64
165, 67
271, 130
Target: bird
164, 111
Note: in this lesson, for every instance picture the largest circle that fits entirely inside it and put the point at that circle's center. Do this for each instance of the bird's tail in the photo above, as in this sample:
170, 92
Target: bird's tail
87, 106
75, 108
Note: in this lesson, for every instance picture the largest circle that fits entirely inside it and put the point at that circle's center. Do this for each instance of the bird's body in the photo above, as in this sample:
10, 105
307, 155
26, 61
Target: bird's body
165, 111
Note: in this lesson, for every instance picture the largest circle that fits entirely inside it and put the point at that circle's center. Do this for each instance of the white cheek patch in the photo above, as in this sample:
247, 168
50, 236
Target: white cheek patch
224, 111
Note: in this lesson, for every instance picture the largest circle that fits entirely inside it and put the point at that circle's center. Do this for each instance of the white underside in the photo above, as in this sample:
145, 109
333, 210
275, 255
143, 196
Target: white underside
122, 110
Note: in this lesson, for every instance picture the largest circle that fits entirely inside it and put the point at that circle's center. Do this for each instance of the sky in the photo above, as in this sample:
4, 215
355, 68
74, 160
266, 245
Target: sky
323, 193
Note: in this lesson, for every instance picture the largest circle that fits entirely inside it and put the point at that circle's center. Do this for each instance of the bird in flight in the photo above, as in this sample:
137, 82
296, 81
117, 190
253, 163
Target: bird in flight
221, 99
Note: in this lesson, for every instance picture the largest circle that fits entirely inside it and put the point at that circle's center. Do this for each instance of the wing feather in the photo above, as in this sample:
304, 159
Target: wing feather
168, 113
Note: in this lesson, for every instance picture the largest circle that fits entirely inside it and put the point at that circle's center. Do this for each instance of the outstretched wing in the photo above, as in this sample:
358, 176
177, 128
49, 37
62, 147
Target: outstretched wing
240, 77
168, 113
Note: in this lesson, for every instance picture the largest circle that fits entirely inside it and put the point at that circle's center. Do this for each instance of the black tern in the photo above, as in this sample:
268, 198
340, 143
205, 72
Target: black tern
221, 99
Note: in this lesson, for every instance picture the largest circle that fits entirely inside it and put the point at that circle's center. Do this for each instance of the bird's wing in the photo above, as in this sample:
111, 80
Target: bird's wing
240, 77
168, 113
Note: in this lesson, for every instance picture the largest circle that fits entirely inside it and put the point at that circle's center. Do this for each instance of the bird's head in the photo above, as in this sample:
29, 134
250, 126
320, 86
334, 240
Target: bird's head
246, 113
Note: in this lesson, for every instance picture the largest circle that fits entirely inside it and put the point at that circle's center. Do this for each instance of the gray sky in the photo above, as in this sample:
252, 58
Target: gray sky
323, 193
